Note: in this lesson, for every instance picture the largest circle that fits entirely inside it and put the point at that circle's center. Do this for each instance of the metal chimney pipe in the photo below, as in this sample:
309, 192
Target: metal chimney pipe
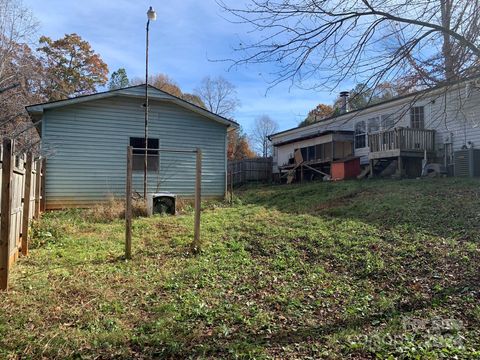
344, 96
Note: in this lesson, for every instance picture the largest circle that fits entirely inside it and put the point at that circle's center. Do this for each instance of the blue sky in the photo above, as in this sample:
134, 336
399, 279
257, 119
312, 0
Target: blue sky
186, 37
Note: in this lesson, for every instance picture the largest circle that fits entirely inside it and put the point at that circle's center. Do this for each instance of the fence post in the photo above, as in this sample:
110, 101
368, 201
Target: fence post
231, 185
43, 198
243, 176
5, 222
128, 205
26, 203
198, 202
38, 189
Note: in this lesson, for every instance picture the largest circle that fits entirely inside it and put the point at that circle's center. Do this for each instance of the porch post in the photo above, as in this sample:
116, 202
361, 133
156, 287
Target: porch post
400, 166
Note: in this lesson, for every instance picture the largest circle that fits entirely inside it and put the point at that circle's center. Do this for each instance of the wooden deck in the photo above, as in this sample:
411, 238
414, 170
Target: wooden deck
401, 142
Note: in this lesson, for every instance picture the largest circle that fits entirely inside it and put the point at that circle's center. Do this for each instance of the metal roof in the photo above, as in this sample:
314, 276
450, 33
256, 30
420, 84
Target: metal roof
370, 106
315, 135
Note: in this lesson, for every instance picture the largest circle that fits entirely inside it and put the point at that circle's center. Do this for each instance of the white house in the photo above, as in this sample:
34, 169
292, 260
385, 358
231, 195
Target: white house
435, 122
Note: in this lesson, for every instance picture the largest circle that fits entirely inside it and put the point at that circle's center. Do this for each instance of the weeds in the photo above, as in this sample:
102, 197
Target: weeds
347, 270
113, 210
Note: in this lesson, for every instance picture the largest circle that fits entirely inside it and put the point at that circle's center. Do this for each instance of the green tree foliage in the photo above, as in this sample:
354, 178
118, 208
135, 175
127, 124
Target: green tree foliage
72, 68
118, 79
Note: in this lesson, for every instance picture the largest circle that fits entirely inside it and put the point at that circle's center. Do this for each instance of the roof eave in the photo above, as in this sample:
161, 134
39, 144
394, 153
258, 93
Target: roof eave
39, 109
370, 107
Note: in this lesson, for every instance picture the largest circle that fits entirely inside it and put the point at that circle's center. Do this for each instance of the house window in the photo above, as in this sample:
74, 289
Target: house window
417, 117
373, 124
138, 145
388, 122
360, 135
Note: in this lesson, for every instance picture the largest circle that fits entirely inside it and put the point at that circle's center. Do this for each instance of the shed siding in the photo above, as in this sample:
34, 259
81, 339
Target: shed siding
87, 144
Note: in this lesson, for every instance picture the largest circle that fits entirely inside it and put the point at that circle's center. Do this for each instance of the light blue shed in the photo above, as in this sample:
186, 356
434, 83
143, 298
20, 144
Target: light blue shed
85, 141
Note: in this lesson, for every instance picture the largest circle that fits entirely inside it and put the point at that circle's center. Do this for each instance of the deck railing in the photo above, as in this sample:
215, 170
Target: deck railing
402, 139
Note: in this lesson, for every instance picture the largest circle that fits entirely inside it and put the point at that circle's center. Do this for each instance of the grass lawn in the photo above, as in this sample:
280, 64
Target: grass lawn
346, 270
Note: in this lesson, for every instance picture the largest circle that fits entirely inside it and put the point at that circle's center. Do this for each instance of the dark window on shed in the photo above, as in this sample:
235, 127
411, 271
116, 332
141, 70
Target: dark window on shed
138, 145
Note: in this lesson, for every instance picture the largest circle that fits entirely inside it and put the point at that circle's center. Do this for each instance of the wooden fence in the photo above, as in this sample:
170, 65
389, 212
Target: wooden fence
249, 170
21, 179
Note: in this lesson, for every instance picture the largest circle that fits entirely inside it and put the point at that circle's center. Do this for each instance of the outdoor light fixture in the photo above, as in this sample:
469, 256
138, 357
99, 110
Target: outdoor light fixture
151, 15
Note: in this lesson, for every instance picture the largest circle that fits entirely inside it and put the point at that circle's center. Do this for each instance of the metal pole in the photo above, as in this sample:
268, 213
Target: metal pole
145, 163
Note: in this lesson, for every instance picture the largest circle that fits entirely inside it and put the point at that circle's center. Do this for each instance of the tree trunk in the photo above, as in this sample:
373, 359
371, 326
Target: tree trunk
449, 62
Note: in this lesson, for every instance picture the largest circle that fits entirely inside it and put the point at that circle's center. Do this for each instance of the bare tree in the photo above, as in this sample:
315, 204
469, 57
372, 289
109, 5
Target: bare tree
17, 26
218, 95
20, 72
322, 43
262, 128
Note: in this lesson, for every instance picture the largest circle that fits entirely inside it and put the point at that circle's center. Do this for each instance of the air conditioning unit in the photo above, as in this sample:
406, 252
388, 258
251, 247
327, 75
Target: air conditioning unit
162, 203
467, 162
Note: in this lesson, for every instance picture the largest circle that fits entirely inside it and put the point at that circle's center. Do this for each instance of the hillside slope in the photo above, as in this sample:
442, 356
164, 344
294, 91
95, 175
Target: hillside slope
347, 270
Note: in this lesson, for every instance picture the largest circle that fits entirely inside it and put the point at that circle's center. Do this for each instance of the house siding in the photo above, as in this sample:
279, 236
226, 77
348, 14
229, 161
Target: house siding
86, 148
456, 116
453, 113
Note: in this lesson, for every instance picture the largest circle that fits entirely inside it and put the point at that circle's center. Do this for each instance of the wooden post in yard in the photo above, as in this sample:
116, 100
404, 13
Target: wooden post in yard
43, 198
371, 169
243, 173
128, 205
5, 222
198, 202
231, 185
400, 166
26, 203
38, 189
